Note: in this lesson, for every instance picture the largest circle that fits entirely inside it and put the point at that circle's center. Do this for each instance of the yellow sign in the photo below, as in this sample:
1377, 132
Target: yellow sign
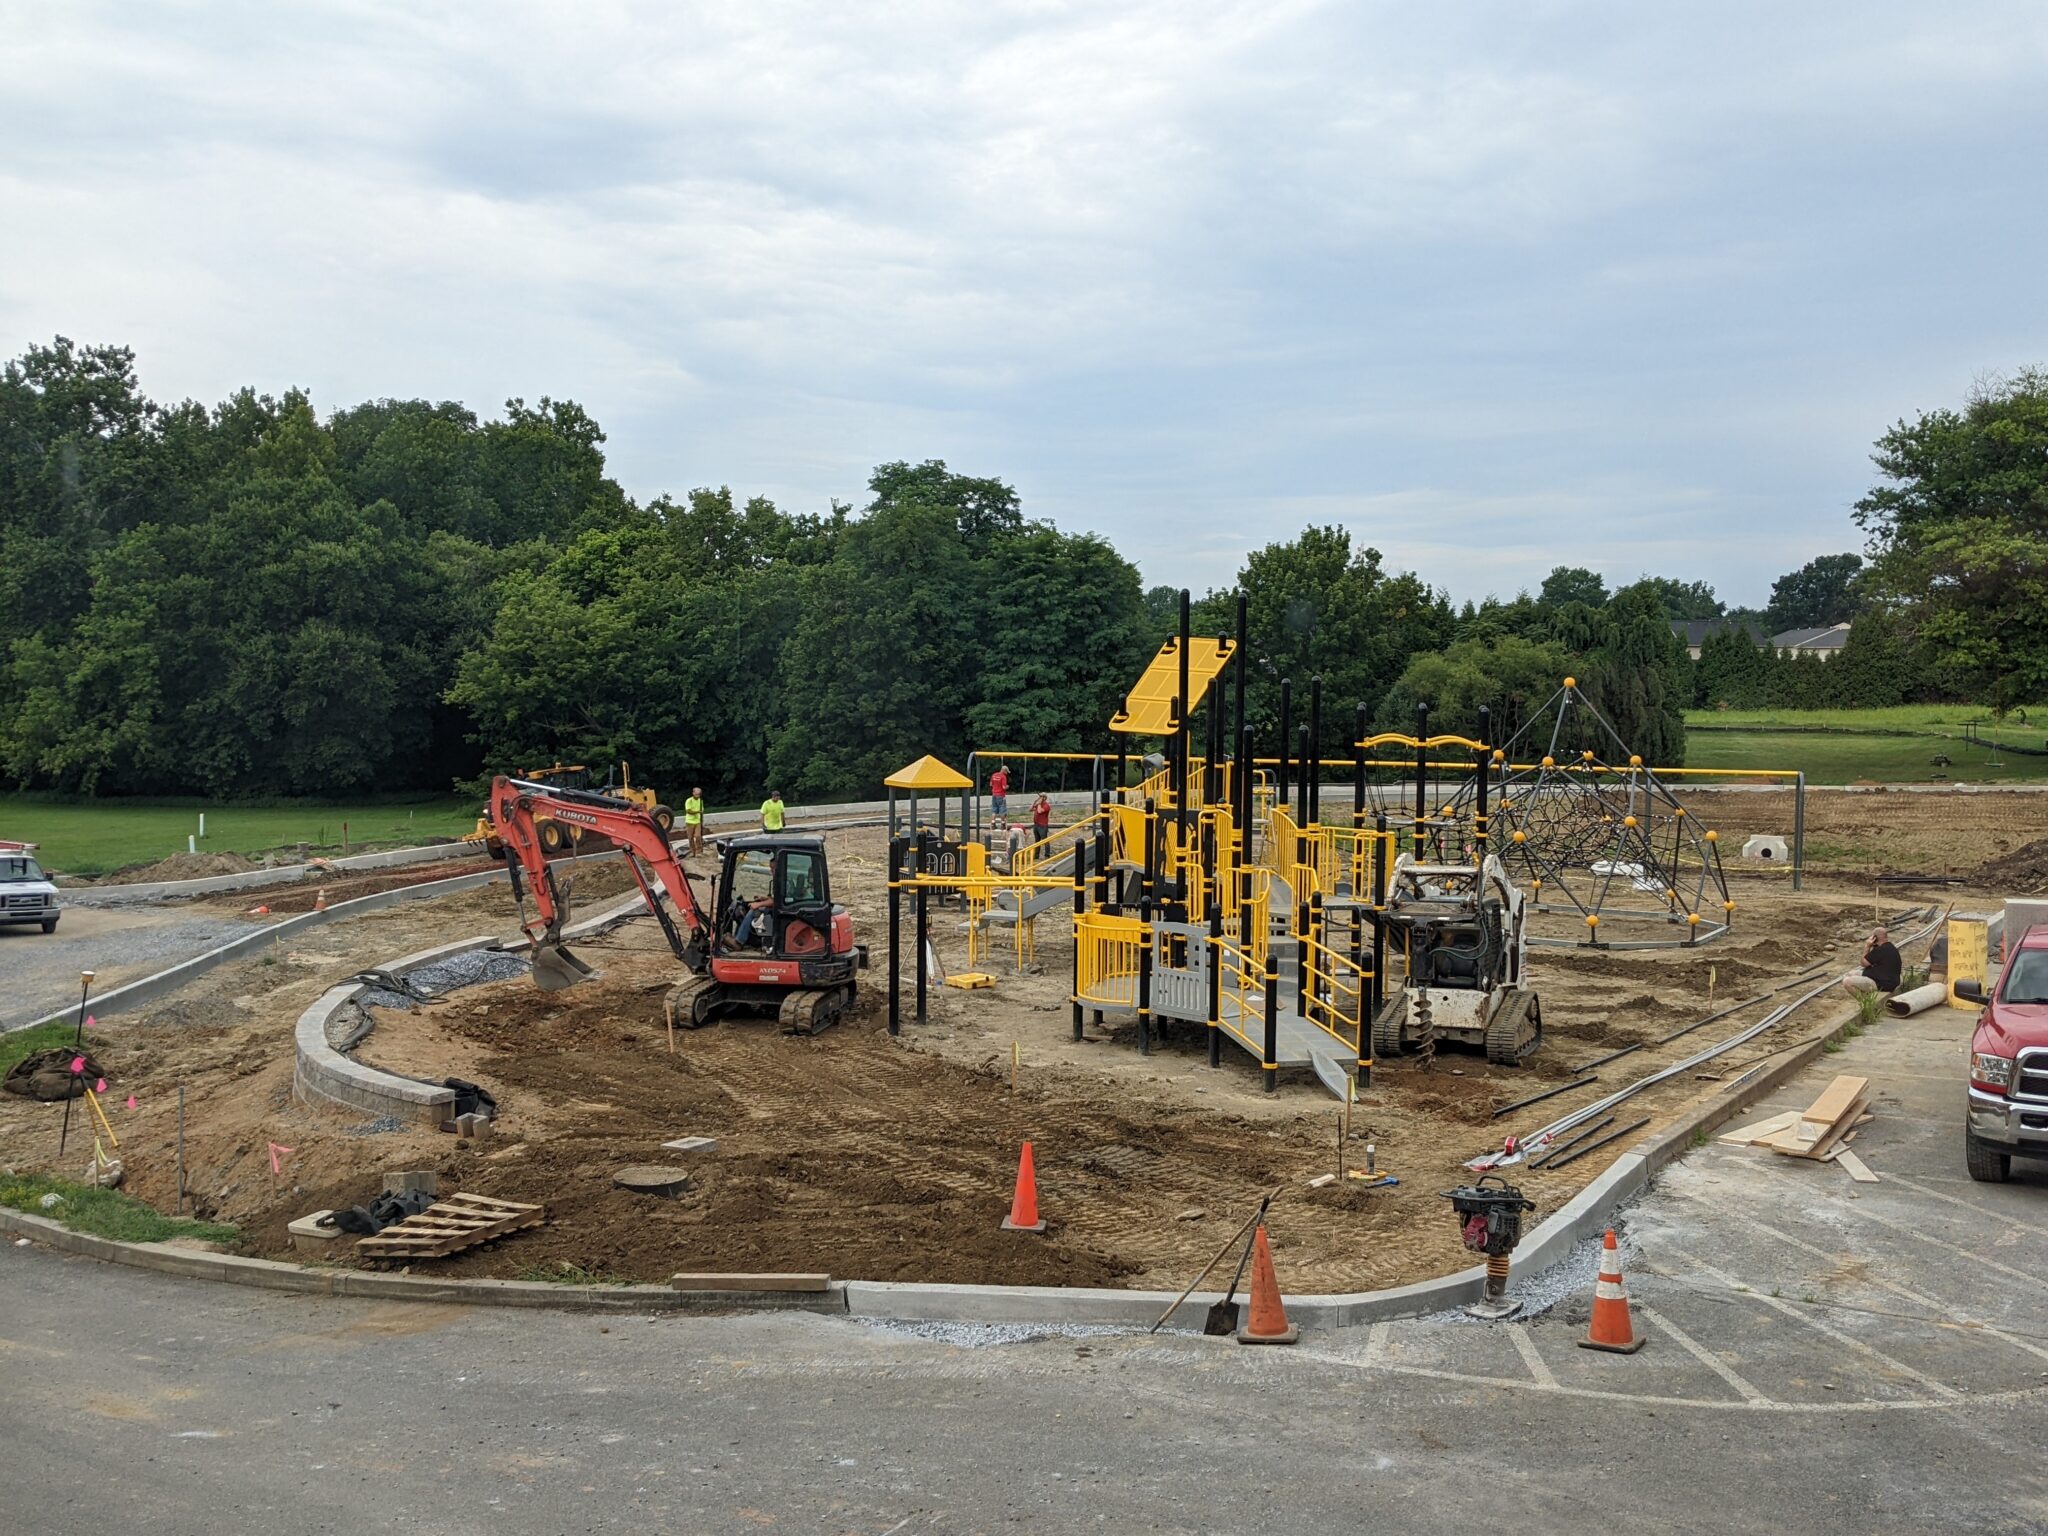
1969, 956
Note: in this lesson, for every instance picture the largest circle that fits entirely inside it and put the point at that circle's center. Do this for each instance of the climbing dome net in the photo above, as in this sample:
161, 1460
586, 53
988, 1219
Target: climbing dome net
1592, 830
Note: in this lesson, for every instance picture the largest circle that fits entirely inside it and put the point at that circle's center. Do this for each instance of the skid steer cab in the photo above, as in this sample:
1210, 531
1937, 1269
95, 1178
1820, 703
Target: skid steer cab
1460, 929
771, 942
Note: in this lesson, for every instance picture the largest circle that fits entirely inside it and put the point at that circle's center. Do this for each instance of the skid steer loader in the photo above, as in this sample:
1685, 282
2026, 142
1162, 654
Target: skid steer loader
1460, 928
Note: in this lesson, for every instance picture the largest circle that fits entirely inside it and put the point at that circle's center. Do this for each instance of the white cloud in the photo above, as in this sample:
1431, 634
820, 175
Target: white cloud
1182, 271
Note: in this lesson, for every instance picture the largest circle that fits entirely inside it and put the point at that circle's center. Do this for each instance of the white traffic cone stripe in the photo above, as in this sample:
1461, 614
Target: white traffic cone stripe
1609, 1290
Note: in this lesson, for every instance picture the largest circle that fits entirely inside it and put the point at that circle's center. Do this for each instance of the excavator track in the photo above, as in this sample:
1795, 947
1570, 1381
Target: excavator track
809, 1011
1516, 1029
691, 1000
1390, 1026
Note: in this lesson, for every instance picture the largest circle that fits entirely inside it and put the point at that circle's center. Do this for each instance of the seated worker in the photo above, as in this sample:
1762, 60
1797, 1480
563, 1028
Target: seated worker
756, 925
1881, 967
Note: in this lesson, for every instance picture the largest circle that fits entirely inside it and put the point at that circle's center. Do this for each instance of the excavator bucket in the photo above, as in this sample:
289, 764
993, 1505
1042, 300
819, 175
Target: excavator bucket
555, 967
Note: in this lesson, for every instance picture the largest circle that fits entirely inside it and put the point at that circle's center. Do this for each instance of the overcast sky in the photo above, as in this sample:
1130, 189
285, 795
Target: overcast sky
1497, 286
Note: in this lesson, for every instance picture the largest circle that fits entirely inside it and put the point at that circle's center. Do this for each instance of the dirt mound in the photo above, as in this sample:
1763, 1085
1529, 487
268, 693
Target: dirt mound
182, 866
2024, 870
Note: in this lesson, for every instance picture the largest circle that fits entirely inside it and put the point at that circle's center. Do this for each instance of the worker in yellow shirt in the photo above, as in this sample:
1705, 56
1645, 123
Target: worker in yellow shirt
693, 820
771, 812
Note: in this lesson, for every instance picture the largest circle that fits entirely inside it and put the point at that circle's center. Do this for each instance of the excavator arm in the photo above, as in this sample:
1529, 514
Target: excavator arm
632, 830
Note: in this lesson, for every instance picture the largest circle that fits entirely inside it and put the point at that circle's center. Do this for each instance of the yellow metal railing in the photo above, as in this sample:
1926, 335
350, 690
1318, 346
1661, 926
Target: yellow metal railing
1106, 958
1242, 980
1331, 992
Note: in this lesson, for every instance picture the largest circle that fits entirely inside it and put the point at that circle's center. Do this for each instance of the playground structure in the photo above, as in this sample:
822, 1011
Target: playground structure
1209, 890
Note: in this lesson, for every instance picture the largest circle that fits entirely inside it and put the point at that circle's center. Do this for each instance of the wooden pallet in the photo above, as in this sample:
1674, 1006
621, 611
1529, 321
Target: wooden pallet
449, 1226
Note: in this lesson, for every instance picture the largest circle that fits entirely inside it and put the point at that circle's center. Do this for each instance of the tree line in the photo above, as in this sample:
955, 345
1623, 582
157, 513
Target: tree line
250, 600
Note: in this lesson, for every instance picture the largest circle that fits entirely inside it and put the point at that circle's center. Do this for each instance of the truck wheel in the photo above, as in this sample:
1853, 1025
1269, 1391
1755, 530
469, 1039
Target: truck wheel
49, 925
1986, 1163
664, 818
553, 839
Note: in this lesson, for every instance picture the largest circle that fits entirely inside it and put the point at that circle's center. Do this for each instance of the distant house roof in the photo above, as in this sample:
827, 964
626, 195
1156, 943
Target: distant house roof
1696, 632
1830, 638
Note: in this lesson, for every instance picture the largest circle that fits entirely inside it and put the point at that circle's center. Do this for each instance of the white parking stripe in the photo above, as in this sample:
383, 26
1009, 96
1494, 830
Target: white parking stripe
1948, 1246
1804, 1315
1895, 1288
1526, 1348
1705, 1356
1969, 1205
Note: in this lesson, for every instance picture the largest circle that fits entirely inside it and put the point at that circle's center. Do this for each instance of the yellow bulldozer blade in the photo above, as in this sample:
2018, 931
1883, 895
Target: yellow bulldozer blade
555, 967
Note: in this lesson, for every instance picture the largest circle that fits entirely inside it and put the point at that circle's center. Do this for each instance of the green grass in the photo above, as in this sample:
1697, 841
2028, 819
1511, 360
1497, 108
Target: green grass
17, 1043
93, 837
103, 1212
1930, 718
562, 1272
1842, 757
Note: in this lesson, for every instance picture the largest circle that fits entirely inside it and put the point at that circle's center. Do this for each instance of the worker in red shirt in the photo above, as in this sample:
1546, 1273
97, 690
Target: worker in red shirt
999, 790
1041, 818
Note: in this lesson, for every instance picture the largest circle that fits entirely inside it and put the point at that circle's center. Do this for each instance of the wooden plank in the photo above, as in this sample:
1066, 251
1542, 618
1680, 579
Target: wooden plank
1749, 1134
1857, 1168
1835, 1100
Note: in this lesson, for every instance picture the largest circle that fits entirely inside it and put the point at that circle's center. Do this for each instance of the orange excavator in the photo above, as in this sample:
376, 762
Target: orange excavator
773, 944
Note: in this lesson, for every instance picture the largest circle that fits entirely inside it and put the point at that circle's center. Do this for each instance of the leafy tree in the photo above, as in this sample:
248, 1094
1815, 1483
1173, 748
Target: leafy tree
1511, 676
1568, 584
1679, 599
1821, 592
1959, 531
1733, 671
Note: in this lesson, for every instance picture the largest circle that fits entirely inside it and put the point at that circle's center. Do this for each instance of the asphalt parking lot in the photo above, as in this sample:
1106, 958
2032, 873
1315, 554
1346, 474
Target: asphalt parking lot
1823, 1356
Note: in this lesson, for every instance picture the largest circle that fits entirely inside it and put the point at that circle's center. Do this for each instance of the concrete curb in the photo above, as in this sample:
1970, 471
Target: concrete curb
252, 879
322, 1075
313, 1280
148, 988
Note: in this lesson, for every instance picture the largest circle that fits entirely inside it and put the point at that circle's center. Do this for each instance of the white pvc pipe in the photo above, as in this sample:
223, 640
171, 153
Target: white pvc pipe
1905, 1004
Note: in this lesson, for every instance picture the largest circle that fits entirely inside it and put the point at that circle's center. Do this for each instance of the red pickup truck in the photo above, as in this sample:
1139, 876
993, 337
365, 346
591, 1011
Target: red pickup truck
2008, 1111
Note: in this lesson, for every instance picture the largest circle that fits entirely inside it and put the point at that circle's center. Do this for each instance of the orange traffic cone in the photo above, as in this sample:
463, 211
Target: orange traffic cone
259, 912
1024, 1215
1612, 1329
1267, 1323
320, 899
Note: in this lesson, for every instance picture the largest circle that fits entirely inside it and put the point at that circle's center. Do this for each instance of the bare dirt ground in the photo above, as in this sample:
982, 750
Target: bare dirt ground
1863, 833
882, 1158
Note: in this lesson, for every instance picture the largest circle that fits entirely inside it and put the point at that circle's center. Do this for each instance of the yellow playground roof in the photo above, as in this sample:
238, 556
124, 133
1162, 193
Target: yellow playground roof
928, 773
1145, 711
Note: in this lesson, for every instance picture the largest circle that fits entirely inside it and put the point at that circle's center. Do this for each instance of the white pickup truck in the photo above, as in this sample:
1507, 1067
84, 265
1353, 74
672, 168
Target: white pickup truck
26, 893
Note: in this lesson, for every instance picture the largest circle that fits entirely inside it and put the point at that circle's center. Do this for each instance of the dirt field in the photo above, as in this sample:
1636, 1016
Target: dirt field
877, 1158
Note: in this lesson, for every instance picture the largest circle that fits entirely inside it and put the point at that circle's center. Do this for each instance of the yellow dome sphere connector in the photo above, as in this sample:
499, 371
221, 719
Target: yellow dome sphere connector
1628, 821
1550, 762
1592, 919
1586, 757
1712, 836
1727, 906
1679, 812
1499, 756
1571, 682
1521, 836
1693, 918
1635, 760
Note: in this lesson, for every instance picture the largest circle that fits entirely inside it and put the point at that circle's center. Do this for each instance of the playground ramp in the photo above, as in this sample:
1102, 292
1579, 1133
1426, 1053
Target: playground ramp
1005, 908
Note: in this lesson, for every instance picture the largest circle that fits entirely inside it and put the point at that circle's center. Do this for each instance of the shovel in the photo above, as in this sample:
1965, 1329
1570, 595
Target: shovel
1221, 1318
1250, 1222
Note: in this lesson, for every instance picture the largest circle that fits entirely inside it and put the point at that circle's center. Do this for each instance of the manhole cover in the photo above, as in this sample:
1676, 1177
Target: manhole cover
652, 1180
